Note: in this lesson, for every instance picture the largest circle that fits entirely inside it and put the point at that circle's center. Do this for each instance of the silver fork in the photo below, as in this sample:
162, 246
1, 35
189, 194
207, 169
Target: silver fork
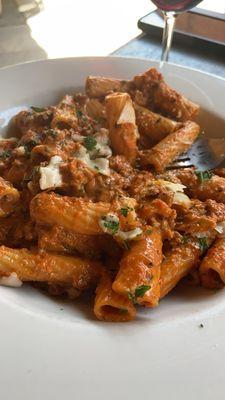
205, 154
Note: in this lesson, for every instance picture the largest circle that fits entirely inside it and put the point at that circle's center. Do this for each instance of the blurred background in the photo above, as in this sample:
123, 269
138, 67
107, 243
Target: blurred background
35, 29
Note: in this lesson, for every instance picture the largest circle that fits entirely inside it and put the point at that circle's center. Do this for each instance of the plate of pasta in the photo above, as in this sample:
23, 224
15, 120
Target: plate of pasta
97, 228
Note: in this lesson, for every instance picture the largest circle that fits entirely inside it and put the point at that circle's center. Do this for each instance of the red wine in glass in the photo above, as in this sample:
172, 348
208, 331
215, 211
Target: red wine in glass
177, 6
171, 9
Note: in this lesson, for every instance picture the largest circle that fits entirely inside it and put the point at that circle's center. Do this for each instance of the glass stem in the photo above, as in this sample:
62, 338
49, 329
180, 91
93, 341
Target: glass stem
170, 19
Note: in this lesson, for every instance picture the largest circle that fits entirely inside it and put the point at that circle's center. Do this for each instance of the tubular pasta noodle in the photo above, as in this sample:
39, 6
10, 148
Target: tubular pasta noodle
57, 239
111, 306
178, 264
213, 188
163, 98
64, 115
64, 118
43, 267
9, 198
154, 126
122, 127
168, 149
139, 267
97, 86
78, 215
95, 109
220, 172
212, 268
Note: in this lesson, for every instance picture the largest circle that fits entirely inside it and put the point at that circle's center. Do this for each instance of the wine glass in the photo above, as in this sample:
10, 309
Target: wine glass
171, 9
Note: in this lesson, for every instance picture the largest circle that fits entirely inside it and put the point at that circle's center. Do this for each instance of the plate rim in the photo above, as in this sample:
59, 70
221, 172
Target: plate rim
95, 58
48, 350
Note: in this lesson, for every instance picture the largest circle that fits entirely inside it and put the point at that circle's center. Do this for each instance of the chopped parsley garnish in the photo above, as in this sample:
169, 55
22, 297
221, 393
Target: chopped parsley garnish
185, 239
203, 175
5, 154
79, 114
139, 292
125, 210
149, 231
38, 109
203, 244
90, 143
28, 146
111, 224
52, 133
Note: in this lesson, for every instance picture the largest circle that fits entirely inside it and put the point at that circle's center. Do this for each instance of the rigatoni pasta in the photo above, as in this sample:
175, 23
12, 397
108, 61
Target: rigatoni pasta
154, 126
87, 202
111, 306
168, 149
80, 216
212, 268
177, 264
30, 266
122, 126
9, 198
140, 268
202, 185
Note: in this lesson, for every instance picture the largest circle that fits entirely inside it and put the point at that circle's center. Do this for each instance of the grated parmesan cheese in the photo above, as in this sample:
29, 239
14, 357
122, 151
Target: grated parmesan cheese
129, 235
99, 164
12, 280
50, 175
174, 187
127, 114
102, 148
220, 228
178, 190
110, 224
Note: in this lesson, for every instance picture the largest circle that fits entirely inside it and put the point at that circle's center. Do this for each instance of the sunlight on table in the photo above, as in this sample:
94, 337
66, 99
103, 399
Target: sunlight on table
67, 28
71, 28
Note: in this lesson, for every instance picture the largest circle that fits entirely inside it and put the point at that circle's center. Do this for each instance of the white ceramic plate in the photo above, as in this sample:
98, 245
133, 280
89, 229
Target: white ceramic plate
51, 350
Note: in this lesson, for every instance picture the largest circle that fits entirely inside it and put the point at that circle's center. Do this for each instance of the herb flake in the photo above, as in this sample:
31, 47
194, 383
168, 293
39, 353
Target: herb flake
139, 292
203, 243
28, 146
5, 154
111, 224
149, 231
203, 175
38, 109
90, 143
79, 113
184, 239
52, 133
125, 210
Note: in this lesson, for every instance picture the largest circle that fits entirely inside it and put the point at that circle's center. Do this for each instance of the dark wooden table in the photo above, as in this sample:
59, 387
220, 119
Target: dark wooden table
192, 53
